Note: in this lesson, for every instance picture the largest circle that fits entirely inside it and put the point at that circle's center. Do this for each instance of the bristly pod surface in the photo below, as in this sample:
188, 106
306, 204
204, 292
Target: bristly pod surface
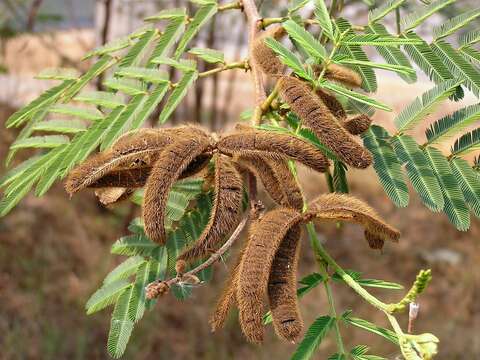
348, 208
228, 298
264, 57
331, 102
273, 145
226, 210
277, 179
358, 124
255, 267
343, 75
316, 115
131, 151
282, 287
173, 161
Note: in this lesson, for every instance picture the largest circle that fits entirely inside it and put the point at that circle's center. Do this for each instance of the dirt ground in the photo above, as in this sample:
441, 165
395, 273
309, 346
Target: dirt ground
54, 252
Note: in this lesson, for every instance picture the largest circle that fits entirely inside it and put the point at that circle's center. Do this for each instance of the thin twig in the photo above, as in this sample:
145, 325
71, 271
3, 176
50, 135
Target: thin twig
159, 287
32, 14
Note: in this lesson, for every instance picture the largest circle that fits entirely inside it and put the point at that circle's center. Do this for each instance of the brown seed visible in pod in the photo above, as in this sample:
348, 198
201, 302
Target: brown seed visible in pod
277, 180
358, 124
226, 211
332, 103
264, 57
348, 208
109, 196
343, 75
172, 163
255, 268
316, 115
273, 145
282, 287
132, 150
228, 298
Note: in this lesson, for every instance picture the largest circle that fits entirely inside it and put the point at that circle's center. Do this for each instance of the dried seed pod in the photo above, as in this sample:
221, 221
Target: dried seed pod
264, 57
282, 287
127, 178
228, 298
132, 150
255, 268
173, 161
348, 208
277, 180
226, 211
374, 241
267, 144
343, 75
335, 107
316, 115
109, 196
358, 124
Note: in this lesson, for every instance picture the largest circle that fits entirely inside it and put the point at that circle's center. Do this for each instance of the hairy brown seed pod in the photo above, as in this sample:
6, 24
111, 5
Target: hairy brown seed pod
109, 196
172, 163
255, 268
282, 287
374, 241
277, 180
273, 145
316, 115
348, 208
228, 298
132, 150
127, 178
358, 124
264, 57
343, 75
335, 107
226, 210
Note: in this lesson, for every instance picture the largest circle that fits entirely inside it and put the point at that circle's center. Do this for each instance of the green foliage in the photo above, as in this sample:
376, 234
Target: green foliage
314, 336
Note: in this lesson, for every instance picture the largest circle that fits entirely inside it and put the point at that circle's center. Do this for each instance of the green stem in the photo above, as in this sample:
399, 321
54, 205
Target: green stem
397, 20
235, 65
328, 289
230, 6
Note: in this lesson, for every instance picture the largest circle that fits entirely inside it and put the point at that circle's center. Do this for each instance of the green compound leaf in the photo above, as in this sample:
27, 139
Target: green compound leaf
419, 172
452, 124
469, 183
354, 95
455, 23
421, 13
393, 55
121, 326
377, 140
42, 142
368, 326
369, 79
422, 55
467, 143
105, 296
304, 39
458, 65
125, 269
44, 100
314, 336
199, 19
61, 126
209, 55
177, 95
424, 105
455, 206
288, 58
383, 10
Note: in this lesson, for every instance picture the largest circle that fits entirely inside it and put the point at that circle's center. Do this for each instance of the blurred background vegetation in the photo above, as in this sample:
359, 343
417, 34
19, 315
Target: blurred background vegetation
55, 251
